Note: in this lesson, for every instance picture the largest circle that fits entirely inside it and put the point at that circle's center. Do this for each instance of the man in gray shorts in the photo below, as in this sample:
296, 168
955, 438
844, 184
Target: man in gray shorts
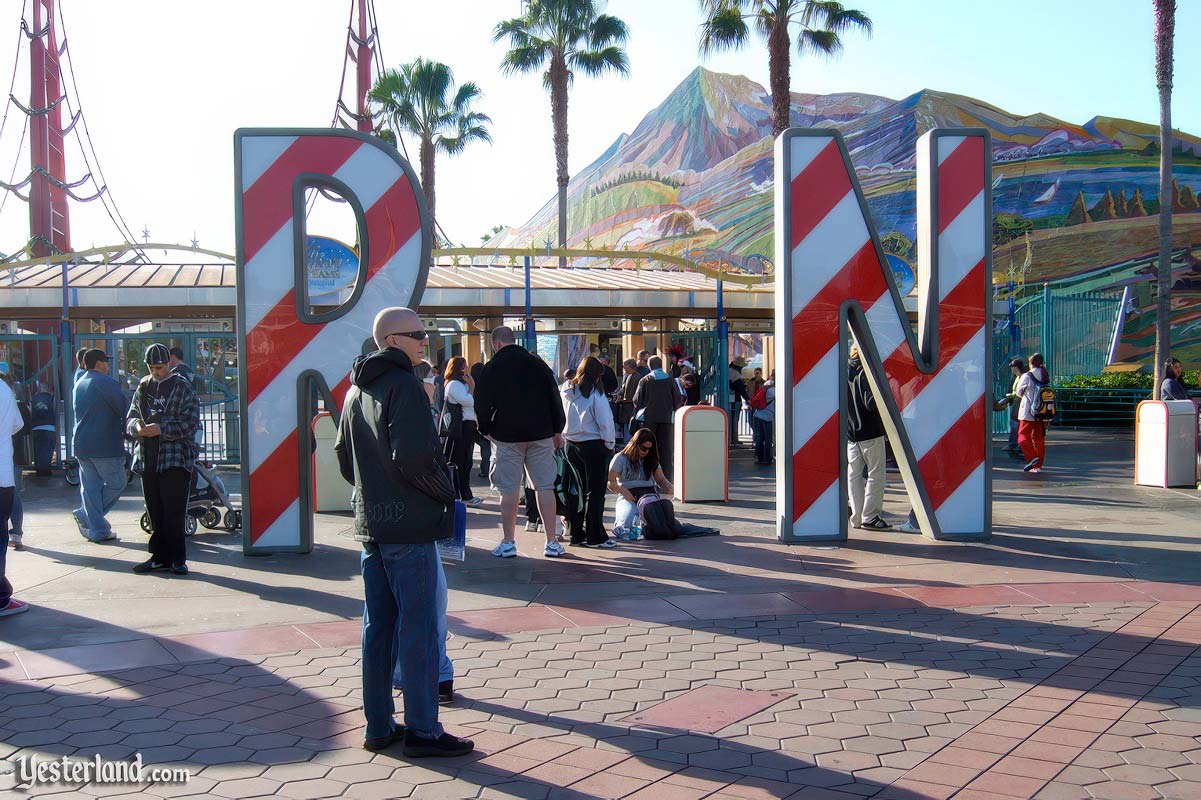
518, 408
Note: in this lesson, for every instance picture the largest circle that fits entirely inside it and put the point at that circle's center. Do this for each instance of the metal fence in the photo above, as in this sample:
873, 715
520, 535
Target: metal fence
35, 365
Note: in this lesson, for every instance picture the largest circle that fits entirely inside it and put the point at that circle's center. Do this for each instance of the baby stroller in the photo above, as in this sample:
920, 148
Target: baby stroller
206, 498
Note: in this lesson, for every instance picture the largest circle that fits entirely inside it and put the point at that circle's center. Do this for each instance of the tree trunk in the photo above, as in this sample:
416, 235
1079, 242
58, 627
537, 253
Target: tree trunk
778, 67
427, 182
558, 111
1165, 31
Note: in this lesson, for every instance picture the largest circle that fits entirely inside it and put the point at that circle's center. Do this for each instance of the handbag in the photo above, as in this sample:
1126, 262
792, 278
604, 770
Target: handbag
454, 548
568, 494
451, 428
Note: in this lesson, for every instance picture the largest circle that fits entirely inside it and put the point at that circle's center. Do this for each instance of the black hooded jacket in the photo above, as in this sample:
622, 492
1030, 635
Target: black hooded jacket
388, 448
863, 415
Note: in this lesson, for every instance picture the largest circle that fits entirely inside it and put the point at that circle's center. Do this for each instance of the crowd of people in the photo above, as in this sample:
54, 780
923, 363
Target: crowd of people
163, 419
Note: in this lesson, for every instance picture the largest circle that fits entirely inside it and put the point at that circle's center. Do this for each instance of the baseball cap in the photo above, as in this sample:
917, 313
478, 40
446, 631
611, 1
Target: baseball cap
157, 355
94, 356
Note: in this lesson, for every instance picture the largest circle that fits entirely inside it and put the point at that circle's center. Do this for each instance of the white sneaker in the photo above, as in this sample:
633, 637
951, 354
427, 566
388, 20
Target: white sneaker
533, 527
906, 527
474, 502
553, 550
14, 541
505, 550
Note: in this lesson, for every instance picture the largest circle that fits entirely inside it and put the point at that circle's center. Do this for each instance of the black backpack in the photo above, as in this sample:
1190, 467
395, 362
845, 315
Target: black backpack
658, 517
568, 493
1044, 406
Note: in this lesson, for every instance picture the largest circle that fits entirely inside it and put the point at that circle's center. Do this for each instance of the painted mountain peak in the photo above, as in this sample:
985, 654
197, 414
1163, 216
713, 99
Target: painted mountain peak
695, 177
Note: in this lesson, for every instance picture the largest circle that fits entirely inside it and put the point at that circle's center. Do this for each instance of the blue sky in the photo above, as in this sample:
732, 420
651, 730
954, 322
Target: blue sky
164, 85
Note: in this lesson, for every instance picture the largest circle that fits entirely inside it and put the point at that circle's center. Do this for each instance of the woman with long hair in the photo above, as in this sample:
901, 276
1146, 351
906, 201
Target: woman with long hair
590, 435
460, 440
634, 472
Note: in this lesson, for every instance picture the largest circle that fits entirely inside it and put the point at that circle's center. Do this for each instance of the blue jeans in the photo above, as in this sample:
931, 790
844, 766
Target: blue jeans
17, 517
101, 481
44, 445
6, 504
446, 667
400, 582
764, 439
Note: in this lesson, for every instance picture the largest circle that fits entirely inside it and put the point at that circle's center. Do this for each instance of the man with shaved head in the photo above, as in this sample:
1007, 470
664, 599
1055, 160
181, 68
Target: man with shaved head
404, 502
517, 407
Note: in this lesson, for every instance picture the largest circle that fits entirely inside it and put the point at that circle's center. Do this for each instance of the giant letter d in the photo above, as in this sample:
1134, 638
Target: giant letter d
929, 387
289, 353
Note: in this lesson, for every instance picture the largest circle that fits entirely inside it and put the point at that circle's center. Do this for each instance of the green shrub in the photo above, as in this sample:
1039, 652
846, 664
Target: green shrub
1119, 380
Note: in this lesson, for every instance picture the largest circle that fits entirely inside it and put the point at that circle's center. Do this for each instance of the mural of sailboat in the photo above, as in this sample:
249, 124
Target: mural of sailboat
1048, 195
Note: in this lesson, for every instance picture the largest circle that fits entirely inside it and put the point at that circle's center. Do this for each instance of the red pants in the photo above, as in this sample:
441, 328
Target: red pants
1032, 439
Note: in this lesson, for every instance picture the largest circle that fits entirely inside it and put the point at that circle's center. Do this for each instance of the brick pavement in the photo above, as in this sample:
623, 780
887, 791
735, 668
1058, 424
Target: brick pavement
1050, 700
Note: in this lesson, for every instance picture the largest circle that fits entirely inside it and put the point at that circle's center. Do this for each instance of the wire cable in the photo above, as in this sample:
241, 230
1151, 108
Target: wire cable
114, 212
16, 63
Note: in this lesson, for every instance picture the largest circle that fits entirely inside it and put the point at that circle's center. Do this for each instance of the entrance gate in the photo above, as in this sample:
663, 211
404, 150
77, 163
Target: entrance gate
33, 365
214, 356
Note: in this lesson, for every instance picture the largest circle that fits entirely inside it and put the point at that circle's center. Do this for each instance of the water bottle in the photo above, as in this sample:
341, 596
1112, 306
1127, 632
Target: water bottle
636, 530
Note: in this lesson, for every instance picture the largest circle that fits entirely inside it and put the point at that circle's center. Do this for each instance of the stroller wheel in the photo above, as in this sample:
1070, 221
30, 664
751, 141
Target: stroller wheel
233, 520
189, 525
211, 518
146, 526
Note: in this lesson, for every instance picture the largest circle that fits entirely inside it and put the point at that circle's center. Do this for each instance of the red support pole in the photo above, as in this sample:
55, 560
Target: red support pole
363, 64
49, 222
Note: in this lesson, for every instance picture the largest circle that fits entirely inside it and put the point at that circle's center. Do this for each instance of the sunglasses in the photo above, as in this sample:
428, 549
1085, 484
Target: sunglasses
646, 448
418, 335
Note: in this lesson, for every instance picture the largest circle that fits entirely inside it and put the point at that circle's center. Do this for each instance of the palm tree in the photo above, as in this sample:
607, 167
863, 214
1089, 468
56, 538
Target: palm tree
821, 24
1165, 34
565, 37
420, 99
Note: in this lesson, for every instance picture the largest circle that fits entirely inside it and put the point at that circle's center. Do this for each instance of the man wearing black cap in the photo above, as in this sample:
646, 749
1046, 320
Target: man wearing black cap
99, 414
165, 416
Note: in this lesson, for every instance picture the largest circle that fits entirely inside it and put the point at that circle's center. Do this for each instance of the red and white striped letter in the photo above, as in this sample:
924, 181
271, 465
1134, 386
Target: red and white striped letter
930, 387
286, 350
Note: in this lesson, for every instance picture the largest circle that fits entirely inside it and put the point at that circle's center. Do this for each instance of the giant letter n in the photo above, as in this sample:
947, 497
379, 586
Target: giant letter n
289, 353
834, 286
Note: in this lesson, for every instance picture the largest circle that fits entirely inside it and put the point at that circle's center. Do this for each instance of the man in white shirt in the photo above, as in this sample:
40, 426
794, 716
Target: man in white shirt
10, 423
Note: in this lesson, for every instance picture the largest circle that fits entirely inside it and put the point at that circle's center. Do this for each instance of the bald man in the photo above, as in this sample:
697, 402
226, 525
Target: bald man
404, 502
517, 407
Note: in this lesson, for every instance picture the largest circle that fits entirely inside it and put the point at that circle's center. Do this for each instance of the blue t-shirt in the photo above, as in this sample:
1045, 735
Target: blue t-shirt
100, 408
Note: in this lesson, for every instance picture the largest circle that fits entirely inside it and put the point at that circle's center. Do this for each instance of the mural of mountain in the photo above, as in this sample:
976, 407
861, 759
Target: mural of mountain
695, 176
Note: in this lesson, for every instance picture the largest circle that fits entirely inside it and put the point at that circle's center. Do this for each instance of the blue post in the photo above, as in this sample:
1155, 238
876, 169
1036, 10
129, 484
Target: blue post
1048, 333
1015, 336
531, 341
67, 364
722, 386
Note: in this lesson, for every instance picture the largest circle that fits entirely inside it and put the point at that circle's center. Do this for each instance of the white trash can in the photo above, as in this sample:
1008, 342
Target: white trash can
1165, 443
702, 455
331, 490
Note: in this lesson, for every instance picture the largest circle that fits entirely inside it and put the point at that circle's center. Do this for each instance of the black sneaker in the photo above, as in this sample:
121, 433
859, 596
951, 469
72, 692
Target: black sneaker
384, 742
446, 692
876, 523
445, 746
180, 568
1032, 463
149, 565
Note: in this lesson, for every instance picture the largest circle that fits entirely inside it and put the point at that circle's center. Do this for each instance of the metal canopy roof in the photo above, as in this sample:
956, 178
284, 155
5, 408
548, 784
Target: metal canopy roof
99, 290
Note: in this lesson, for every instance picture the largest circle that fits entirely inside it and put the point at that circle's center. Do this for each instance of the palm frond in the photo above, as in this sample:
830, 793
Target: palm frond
467, 93
597, 62
526, 58
824, 43
724, 29
453, 145
607, 30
